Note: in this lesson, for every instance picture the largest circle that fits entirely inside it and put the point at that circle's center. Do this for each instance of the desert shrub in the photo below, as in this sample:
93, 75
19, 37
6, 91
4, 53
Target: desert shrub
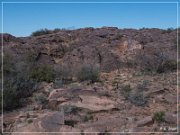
42, 73
87, 117
159, 62
135, 96
142, 86
69, 109
58, 84
40, 32
158, 116
105, 133
82, 132
169, 30
88, 72
29, 121
176, 44
8, 64
137, 99
63, 75
15, 89
56, 30
125, 90
16, 84
169, 65
40, 98
70, 122
32, 56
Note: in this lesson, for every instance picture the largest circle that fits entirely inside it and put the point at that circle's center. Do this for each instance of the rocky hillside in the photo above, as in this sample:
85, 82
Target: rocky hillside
88, 80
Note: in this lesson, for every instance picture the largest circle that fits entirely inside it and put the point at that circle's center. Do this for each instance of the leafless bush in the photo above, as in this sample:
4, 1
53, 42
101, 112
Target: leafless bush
158, 62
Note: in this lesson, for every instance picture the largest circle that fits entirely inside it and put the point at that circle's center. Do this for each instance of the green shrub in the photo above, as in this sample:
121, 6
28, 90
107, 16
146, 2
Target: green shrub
125, 90
15, 89
29, 121
142, 86
40, 32
169, 30
106, 133
69, 109
40, 98
88, 72
16, 84
137, 99
87, 117
169, 65
82, 132
159, 116
70, 122
32, 56
42, 73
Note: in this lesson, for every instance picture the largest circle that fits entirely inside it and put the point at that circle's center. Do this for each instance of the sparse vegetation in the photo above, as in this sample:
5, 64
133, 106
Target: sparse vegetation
169, 65
104, 133
88, 72
82, 132
90, 78
87, 117
29, 121
40, 32
69, 109
32, 56
16, 83
136, 96
42, 73
157, 63
142, 86
40, 98
125, 90
70, 122
137, 99
158, 116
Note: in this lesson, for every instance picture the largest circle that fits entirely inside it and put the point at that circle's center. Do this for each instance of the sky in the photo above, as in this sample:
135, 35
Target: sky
21, 19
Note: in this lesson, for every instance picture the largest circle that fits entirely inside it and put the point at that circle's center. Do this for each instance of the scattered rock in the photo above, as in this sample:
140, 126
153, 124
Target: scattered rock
154, 92
51, 122
102, 125
92, 103
170, 118
145, 121
170, 98
47, 122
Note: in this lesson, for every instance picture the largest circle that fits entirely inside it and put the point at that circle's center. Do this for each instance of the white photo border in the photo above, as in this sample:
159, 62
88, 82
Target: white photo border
177, 3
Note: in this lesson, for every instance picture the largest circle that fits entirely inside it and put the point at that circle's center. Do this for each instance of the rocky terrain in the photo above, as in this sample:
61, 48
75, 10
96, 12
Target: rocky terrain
91, 81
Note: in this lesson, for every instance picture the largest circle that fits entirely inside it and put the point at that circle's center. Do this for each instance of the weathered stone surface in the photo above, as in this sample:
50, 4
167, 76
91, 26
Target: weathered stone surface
154, 92
102, 125
87, 99
93, 103
170, 118
170, 98
52, 122
46, 122
145, 121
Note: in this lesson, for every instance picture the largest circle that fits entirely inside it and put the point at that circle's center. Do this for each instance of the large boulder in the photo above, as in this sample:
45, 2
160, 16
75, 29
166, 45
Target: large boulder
86, 99
45, 122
